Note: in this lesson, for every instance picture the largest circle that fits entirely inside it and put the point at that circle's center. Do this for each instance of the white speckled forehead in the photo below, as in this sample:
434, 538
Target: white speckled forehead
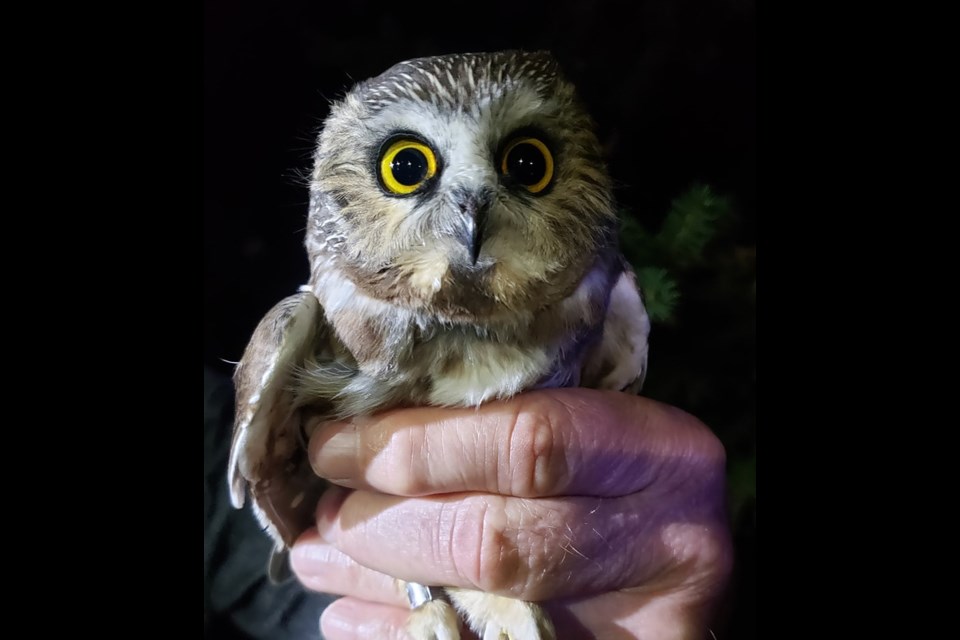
460, 81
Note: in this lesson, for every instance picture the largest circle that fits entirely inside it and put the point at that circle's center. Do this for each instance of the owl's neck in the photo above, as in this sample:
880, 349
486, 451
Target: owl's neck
385, 338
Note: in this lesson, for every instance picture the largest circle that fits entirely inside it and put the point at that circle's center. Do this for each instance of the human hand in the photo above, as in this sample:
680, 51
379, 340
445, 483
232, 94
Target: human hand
608, 508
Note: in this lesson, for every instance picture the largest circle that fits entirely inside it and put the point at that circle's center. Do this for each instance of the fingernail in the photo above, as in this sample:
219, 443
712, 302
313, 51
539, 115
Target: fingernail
341, 620
347, 618
335, 622
312, 557
333, 453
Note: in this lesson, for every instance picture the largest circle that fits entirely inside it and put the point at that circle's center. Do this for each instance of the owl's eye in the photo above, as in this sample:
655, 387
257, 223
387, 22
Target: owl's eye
406, 165
529, 162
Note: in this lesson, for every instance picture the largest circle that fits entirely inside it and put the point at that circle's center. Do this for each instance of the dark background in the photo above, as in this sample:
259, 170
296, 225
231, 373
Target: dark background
671, 83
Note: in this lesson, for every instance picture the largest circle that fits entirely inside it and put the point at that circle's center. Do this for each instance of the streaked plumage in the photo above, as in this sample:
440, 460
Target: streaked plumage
462, 245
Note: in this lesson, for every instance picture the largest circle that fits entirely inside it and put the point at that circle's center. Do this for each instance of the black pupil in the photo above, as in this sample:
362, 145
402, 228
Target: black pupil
409, 167
526, 164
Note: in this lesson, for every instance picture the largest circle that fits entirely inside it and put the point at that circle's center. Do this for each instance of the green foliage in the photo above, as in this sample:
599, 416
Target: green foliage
698, 278
660, 293
690, 225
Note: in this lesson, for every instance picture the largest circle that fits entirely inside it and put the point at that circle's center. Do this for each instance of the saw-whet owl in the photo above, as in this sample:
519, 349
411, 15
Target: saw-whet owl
462, 244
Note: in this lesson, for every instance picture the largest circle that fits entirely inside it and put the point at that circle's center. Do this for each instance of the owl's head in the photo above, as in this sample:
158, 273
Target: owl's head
468, 186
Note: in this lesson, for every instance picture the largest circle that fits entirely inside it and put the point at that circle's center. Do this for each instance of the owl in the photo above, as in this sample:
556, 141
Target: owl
462, 244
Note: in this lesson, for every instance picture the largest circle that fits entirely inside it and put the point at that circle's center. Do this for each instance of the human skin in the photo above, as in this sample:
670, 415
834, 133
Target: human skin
608, 508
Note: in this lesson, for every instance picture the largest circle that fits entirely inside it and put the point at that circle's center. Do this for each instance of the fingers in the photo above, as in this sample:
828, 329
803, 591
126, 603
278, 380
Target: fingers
677, 605
354, 619
325, 569
612, 615
608, 616
534, 549
651, 614
547, 443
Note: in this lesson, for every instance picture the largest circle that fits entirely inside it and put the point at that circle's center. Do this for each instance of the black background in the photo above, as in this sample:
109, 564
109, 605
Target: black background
671, 83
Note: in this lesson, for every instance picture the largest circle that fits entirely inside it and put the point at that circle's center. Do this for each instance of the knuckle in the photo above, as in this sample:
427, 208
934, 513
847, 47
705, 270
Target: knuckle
536, 455
717, 552
391, 459
405, 465
517, 549
484, 554
707, 555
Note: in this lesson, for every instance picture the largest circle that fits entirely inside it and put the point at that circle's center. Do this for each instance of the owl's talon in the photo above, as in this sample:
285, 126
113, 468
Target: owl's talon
433, 620
500, 618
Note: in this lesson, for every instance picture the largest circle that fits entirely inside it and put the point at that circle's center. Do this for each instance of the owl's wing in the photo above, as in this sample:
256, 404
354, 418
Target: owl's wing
267, 452
619, 360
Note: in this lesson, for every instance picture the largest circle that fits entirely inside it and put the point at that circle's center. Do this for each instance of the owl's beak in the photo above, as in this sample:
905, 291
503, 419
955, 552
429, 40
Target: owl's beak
474, 206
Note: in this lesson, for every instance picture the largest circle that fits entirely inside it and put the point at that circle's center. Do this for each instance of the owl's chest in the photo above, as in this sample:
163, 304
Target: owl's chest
470, 372
400, 358
447, 370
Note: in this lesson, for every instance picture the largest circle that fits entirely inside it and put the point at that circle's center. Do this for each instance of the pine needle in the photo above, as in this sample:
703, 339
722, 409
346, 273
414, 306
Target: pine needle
660, 293
692, 223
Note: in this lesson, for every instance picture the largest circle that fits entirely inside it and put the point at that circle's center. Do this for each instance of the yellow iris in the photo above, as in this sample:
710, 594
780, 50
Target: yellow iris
406, 166
529, 162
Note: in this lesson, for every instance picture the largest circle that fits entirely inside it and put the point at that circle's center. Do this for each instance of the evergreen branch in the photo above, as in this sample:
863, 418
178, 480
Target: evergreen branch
692, 223
660, 293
